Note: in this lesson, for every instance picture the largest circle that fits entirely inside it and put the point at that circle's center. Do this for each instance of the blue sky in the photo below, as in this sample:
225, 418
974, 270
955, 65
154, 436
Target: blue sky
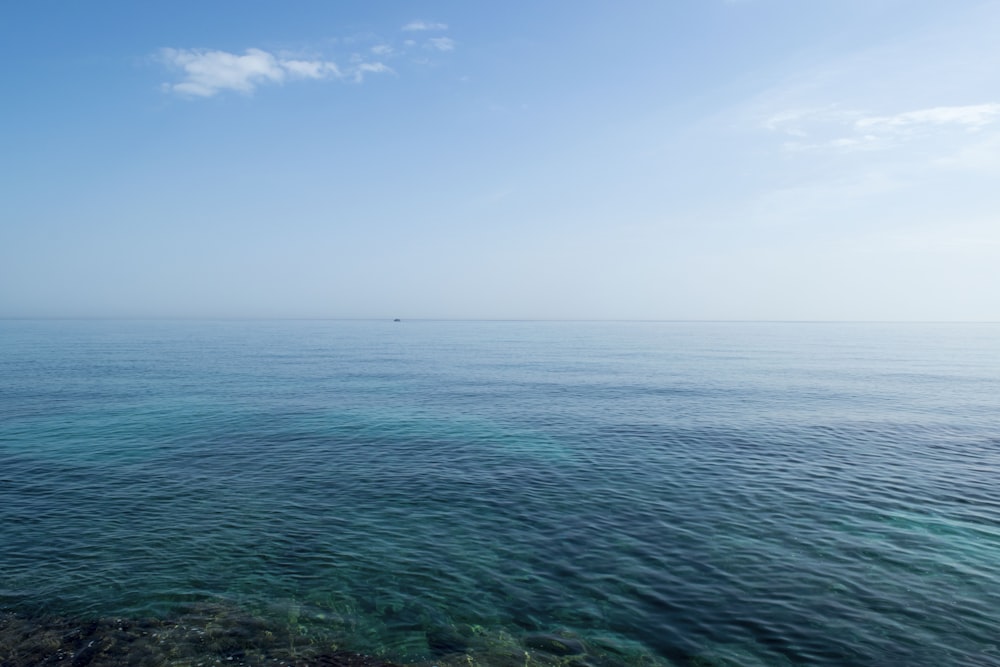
691, 159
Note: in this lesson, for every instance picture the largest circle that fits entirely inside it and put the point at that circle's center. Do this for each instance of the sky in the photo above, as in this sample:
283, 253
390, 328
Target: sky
566, 159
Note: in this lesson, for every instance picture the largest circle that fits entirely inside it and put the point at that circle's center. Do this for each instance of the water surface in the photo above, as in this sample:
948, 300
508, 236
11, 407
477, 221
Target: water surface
671, 493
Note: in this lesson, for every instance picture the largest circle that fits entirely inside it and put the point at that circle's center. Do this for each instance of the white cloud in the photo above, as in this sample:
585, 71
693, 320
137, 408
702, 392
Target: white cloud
366, 68
972, 115
807, 122
424, 25
848, 130
206, 72
441, 43
310, 69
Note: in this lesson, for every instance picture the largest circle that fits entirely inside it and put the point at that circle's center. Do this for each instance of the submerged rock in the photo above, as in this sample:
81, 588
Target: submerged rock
197, 639
445, 640
555, 644
210, 634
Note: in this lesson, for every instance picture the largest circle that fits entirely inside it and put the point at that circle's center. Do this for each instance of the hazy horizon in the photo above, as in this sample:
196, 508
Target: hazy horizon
704, 160
481, 319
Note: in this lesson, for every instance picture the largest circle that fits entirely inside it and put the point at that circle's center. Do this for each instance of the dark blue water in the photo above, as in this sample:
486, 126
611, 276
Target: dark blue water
673, 493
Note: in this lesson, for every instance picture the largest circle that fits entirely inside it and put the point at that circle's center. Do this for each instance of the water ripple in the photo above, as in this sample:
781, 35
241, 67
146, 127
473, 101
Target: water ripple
687, 494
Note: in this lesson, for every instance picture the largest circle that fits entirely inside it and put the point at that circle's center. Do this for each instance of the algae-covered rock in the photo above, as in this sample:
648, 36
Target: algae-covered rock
443, 640
554, 644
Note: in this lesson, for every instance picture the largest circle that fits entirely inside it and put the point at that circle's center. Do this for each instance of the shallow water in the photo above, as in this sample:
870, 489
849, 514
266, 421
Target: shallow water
678, 493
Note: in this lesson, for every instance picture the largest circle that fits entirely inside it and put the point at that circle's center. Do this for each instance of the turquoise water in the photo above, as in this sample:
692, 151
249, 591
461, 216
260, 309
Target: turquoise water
433, 492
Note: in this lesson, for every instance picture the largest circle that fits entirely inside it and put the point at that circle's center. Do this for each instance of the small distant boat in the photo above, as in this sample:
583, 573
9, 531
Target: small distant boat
397, 320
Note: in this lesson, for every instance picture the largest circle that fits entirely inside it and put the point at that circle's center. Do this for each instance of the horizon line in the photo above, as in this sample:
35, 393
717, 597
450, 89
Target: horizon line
481, 319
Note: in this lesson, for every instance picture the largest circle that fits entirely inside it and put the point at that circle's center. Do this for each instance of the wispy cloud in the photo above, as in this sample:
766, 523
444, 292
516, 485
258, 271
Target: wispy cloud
851, 130
209, 72
971, 116
369, 68
310, 69
205, 73
441, 43
419, 25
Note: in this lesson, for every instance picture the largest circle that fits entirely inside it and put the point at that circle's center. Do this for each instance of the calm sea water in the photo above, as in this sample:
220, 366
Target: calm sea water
667, 493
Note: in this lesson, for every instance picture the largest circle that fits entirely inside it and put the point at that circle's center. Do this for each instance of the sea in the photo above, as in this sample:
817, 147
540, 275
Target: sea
517, 494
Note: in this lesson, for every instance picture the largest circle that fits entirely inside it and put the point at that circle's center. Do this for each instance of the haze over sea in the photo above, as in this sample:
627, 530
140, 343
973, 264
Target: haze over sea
446, 492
